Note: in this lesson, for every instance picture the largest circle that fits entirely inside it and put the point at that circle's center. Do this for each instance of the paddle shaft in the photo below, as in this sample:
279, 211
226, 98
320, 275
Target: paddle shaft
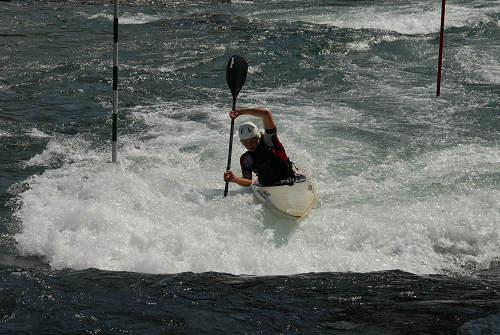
236, 74
230, 148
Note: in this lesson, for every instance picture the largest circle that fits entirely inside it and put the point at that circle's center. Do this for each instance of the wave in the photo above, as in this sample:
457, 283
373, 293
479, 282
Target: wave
411, 19
137, 18
161, 209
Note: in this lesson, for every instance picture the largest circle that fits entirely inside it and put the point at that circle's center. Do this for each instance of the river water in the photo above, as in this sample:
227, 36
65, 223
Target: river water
404, 234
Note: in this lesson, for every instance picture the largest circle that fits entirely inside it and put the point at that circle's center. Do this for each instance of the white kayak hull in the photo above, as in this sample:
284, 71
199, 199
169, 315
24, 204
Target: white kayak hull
292, 200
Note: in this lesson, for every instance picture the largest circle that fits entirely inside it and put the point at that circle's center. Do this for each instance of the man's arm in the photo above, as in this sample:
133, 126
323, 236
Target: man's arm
245, 182
264, 114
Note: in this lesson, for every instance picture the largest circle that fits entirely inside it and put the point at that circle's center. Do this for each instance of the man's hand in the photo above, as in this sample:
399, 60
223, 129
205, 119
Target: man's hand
229, 176
234, 114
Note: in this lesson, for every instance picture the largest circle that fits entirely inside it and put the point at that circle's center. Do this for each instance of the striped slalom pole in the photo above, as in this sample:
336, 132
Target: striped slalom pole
441, 38
115, 81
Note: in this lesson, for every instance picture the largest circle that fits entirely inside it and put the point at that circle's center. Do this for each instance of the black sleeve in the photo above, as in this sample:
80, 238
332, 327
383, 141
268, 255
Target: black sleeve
245, 169
271, 131
247, 174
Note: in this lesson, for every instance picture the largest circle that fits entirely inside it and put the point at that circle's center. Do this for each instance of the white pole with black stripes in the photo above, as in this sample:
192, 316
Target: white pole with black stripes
115, 81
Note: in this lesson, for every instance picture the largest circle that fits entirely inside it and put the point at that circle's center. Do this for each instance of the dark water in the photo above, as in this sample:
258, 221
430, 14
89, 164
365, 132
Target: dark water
390, 302
403, 237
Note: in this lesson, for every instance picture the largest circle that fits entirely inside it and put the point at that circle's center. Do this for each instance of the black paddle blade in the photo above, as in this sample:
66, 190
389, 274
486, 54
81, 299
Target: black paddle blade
236, 74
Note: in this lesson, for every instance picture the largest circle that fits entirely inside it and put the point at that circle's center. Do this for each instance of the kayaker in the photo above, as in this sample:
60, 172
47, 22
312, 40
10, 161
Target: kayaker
265, 154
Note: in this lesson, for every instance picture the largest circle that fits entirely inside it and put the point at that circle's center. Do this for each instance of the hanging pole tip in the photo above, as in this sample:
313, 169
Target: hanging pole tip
441, 40
115, 83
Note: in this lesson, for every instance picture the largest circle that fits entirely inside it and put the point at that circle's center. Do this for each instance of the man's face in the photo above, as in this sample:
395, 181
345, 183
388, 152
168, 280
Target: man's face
251, 143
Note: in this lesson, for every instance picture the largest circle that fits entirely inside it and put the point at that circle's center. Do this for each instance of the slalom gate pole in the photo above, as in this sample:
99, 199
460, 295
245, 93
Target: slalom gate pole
441, 38
115, 81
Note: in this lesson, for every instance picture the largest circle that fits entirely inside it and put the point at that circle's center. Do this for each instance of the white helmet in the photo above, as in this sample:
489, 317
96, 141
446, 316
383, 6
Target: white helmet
248, 130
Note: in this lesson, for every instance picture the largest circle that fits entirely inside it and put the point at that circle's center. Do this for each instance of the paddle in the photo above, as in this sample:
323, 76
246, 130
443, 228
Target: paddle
236, 74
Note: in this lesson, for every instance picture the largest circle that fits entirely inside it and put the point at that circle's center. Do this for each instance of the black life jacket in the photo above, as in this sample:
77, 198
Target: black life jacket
271, 170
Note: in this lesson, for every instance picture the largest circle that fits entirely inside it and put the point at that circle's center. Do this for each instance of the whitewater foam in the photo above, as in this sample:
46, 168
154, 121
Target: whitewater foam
161, 208
401, 18
480, 65
124, 18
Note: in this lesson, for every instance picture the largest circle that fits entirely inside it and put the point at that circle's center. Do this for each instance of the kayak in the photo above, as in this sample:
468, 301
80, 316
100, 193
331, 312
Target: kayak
293, 198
